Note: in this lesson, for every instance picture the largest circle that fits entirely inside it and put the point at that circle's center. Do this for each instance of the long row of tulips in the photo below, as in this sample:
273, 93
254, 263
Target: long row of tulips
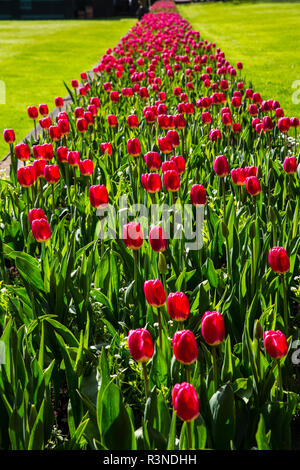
163, 119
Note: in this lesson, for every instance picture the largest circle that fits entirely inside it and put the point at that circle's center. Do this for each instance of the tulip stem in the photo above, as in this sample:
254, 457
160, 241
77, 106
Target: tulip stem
159, 327
215, 371
53, 203
285, 305
280, 381
188, 373
135, 256
41, 193
189, 433
146, 381
224, 199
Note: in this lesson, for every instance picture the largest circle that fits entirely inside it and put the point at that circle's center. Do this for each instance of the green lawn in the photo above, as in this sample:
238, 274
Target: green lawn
264, 36
37, 56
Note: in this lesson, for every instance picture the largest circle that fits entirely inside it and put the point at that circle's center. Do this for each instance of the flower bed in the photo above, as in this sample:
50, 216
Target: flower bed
150, 257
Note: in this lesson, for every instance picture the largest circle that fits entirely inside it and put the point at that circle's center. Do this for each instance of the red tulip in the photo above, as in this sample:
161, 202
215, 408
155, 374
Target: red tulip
9, 136
62, 154
227, 119
133, 121
253, 111
152, 160
73, 158
168, 165
221, 166
294, 122
52, 174
106, 147
276, 344
284, 124
112, 120
173, 138
267, 123
151, 182
165, 145
134, 147
179, 162
98, 196
41, 230
157, 239
179, 121
213, 328
215, 134
133, 235
155, 293
114, 96
32, 112
55, 133
140, 345
236, 127
26, 176
59, 102
64, 126
238, 176
198, 195
81, 125
43, 109
178, 306
289, 165
22, 152
185, 401
86, 167
74, 84
279, 260
39, 167
79, 112
95, 101
171, 180
252, 185
185, 346
36, 214
206, 117
250, 171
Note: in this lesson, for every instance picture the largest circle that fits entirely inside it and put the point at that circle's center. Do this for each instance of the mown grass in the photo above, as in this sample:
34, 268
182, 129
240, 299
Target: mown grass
264, 36
37, 56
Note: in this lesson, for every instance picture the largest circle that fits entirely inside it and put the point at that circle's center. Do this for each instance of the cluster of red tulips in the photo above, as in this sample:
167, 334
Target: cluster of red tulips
165, 116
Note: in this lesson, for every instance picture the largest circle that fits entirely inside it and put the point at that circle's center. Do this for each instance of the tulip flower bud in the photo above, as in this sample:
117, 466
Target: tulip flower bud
162, 264
140, 345
26, 176
213, 328
9, 136
32, 112
22, 152
152, 160
279, 260
185, 346
151, 182
41, 230
221, 166
39, 167
59, 102
35, 214
52, 174
86, 167
185, 401
134, 147
252, 230
155, 293
133, 121
290, 165
43, 109
158, 239
98, 196
178, 306
133, 235
112, 120
257, 330
179, 162
198, 195
275, 344
171, 180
